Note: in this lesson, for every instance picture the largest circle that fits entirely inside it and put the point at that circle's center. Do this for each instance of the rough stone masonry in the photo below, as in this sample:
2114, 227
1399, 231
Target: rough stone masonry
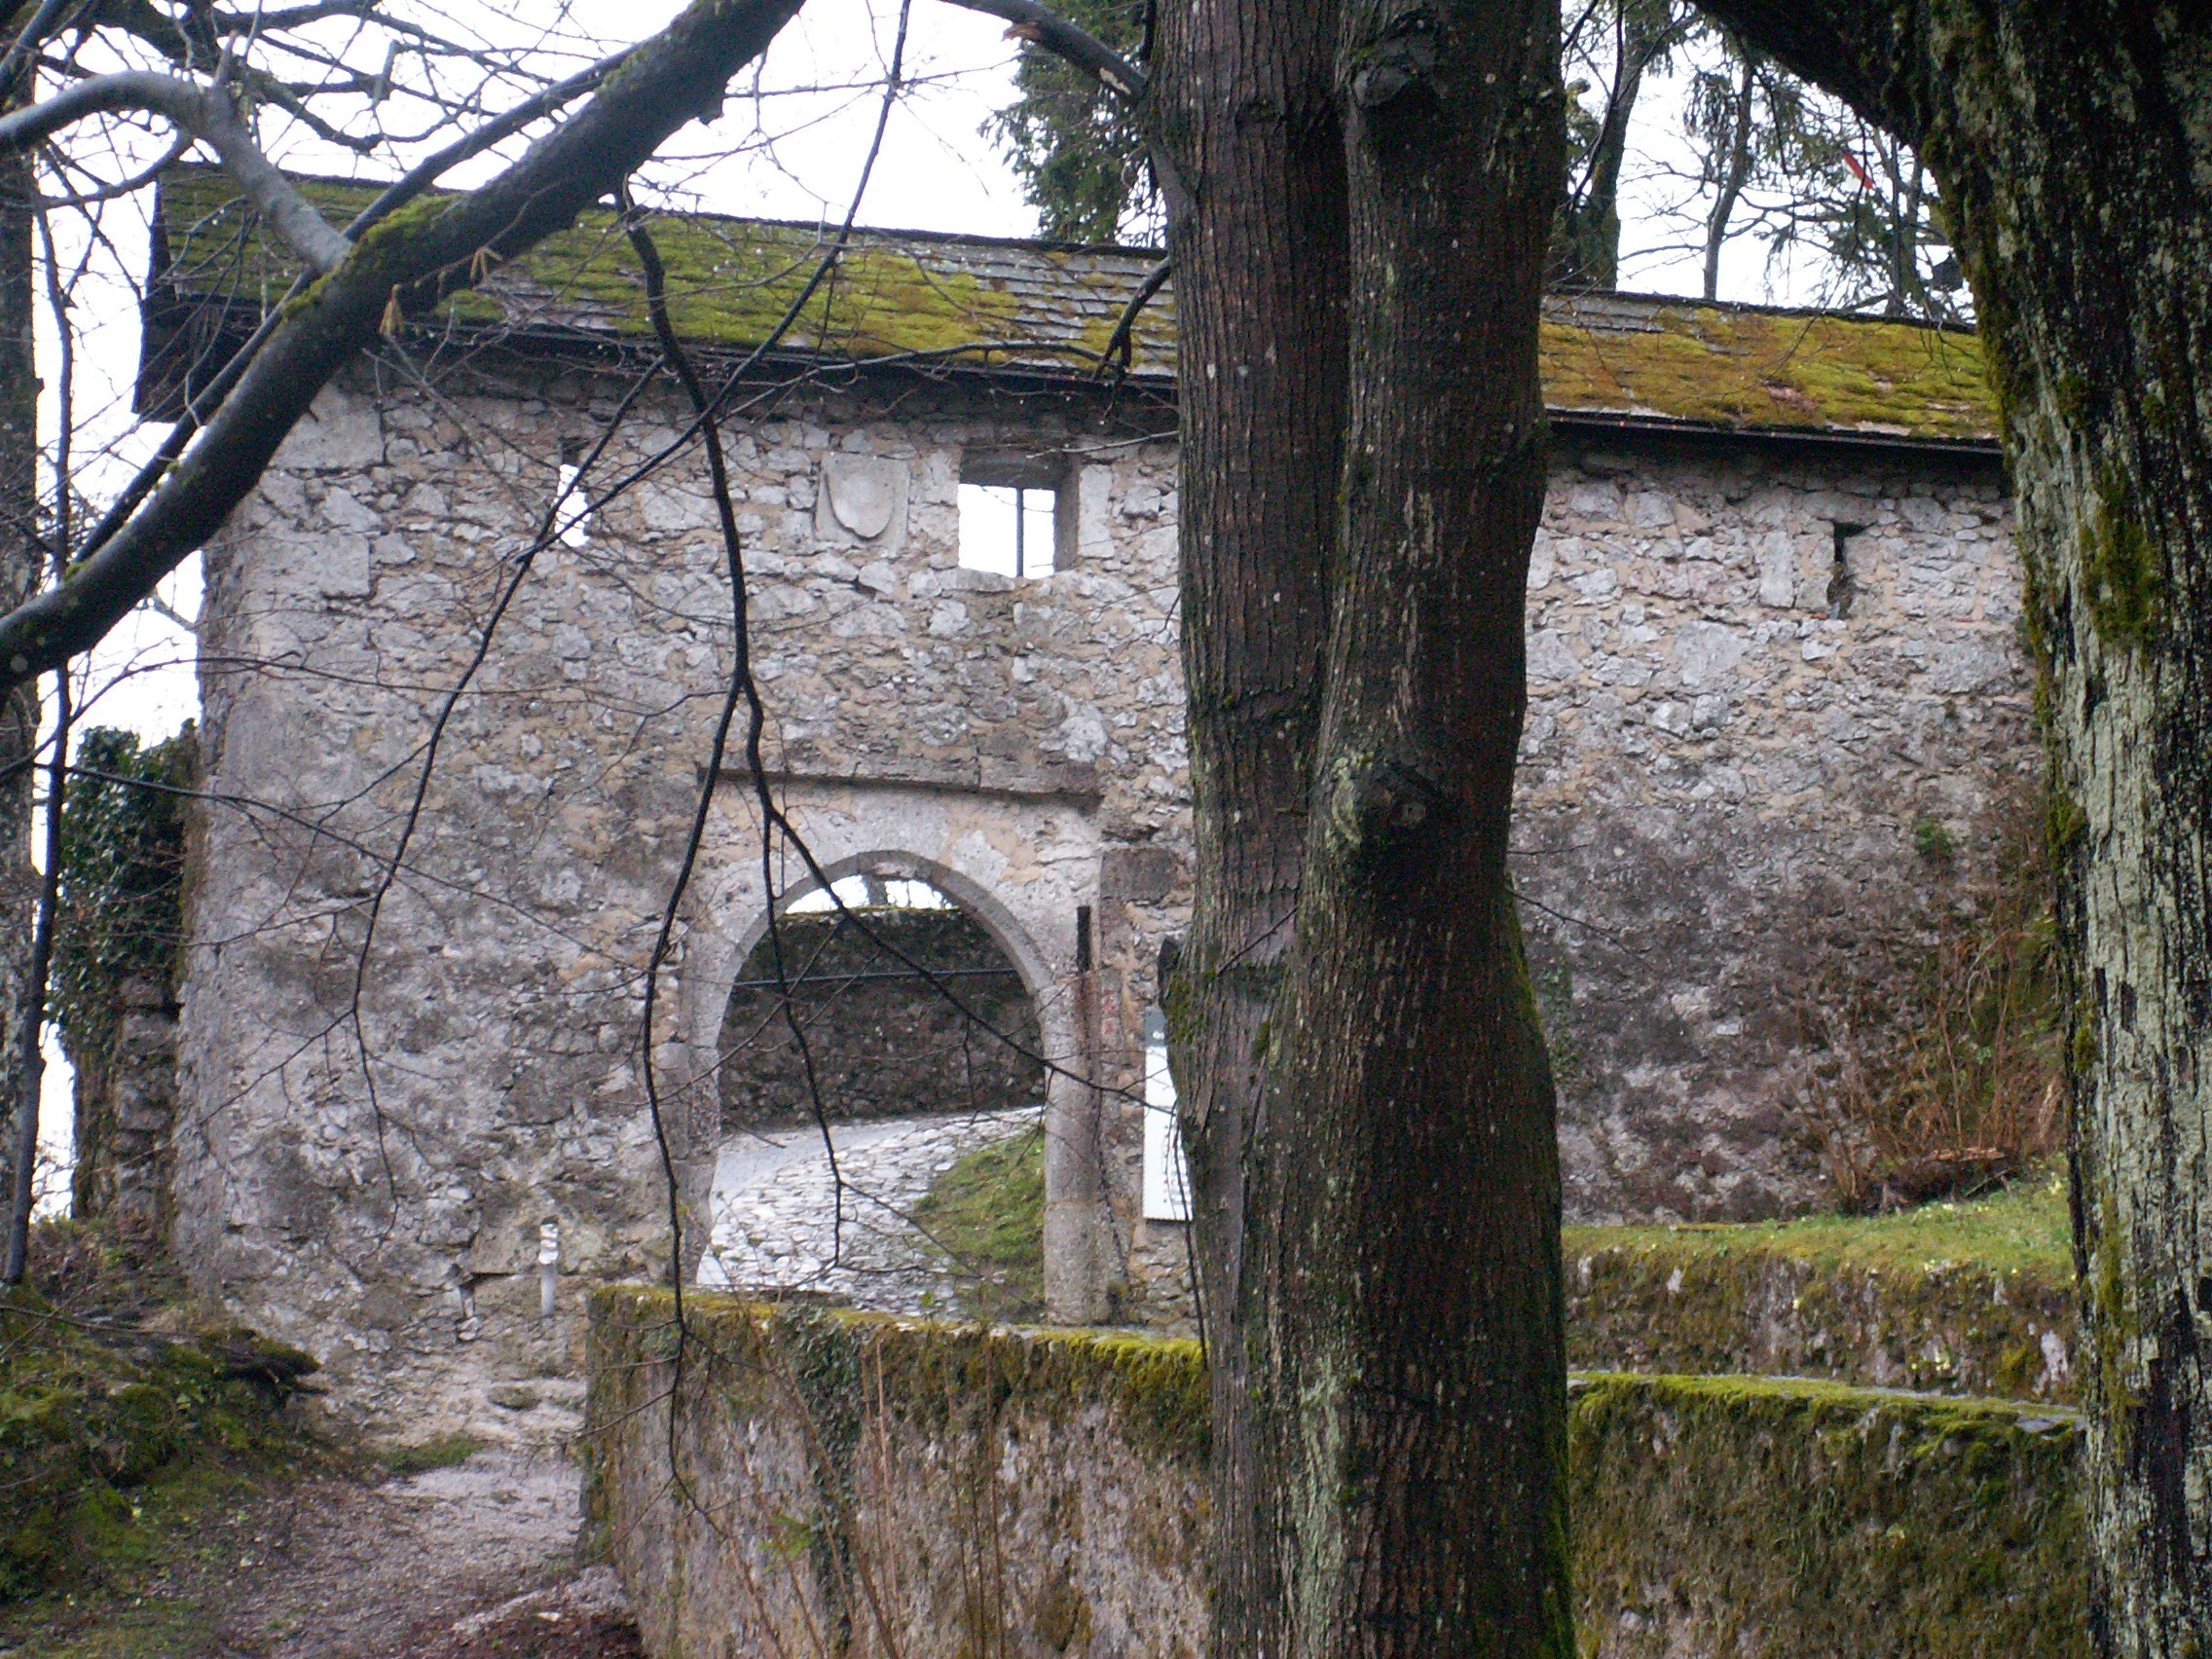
1771, 632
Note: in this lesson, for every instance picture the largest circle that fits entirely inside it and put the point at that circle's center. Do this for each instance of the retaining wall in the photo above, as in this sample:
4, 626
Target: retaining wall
863, 1486
1701, 1300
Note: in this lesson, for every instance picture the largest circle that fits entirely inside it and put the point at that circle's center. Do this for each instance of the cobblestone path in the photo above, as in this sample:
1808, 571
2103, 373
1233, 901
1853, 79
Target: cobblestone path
776, 1223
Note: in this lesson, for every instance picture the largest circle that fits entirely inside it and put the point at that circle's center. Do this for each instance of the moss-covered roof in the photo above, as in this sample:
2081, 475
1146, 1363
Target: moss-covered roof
1034, 307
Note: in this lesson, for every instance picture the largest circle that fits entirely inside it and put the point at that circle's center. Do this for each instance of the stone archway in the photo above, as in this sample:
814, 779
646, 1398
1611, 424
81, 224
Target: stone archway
881, 1090
889, 999
1024, 869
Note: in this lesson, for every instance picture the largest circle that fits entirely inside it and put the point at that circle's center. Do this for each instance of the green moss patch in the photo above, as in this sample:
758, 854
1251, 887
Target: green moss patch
987, 1213
1971, 1297
755, 1356
2021, 1227
443, 1452
1736, 366
2120, 567
730, 282
114, 1408
1725, 1515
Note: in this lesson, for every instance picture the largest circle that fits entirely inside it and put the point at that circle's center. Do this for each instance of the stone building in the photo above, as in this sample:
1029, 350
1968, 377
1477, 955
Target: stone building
1772, 632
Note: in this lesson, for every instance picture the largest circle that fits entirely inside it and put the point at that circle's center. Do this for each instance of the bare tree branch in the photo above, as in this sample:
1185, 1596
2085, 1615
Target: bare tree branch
207, 114
1874, 55
1044, 27
1121, 345
1055, 34
411, 261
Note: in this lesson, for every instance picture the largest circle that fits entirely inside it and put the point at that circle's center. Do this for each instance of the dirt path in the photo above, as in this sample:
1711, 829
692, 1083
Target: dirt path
340, 1569
477, 1561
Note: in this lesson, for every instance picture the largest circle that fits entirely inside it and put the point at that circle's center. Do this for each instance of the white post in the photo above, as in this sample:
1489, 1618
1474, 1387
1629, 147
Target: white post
549, 1265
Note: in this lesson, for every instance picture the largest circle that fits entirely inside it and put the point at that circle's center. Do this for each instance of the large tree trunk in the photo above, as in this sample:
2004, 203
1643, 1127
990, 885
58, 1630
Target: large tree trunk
1366, 1096
2074, 141
1246, 111
1412, 1401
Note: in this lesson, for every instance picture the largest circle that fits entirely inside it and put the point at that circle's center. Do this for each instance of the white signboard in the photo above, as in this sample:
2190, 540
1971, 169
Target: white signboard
1166, 1177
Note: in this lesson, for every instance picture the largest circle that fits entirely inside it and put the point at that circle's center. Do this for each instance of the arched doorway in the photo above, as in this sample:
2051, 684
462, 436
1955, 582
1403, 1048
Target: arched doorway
881, 1088
879, 997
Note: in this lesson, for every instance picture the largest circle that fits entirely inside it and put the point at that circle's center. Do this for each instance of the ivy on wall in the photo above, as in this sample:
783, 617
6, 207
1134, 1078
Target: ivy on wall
121, 914
120, 921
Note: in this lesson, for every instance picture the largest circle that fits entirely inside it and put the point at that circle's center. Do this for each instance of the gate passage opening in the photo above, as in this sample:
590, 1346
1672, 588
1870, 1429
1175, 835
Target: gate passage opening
897, 993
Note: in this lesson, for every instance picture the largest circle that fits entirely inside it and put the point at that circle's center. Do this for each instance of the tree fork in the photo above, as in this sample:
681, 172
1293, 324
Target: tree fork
1413, 1386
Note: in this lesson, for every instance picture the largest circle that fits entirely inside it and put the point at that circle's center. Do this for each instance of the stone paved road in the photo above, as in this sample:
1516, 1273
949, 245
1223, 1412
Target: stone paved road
774, 1215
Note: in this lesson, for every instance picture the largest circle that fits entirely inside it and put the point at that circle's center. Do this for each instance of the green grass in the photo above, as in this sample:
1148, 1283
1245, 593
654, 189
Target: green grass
151, 1585
988, 1213
2022, 1226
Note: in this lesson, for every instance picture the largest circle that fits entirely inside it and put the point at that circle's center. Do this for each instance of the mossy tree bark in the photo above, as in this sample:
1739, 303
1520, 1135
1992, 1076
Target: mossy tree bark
1416, 1381
1244, 106
2074, 139
1366, 1092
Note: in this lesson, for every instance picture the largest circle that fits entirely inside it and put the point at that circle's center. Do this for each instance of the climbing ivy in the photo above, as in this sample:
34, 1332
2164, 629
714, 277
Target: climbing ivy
121, 910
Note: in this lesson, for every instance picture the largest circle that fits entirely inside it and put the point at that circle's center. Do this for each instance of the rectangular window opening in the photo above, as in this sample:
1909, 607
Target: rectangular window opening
571, 518
1012, 530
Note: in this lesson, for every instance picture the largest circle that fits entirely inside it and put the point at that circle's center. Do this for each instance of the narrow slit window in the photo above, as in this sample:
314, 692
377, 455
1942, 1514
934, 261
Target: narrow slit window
1843, 580
1007, 529
572, 510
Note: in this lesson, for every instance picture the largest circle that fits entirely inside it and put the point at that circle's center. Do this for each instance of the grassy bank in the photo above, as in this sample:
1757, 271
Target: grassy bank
988, 1214
130, 1419
1971, 1297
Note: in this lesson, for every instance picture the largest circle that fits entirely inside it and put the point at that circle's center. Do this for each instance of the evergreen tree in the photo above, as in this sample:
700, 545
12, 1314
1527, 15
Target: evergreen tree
1076, 146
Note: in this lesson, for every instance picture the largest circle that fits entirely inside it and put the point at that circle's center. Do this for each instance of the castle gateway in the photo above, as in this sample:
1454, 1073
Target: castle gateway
479, 610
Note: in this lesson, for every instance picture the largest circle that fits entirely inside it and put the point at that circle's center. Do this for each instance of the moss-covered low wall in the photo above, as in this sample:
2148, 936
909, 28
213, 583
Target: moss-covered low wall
840, 1483
845, 1484
1732, 1515
1970, 1298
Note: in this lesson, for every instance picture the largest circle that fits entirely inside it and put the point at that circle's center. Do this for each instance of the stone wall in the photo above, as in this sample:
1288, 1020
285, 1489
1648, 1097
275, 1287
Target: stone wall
376, 1135
124, 1100
869, 1486
1731, 738
118, 936
880, 1039
1701, 1302
1753, 675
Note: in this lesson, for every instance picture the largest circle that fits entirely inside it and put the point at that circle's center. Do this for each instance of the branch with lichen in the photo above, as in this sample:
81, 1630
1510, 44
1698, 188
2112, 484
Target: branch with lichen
209, 115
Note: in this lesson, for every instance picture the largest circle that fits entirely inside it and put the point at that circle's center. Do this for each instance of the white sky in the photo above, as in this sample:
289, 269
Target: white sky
789, 145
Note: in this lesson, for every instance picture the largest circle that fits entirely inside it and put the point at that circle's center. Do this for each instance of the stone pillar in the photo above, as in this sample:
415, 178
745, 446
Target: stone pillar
1075, 1174
126, 1111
